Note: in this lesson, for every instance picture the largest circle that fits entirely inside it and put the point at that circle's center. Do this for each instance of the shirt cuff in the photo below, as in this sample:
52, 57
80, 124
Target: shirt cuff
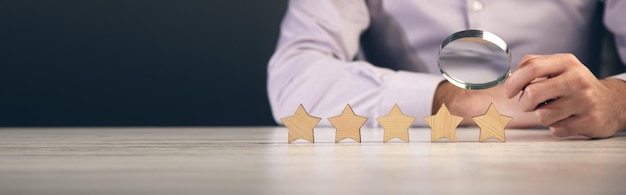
413, 92
620, 76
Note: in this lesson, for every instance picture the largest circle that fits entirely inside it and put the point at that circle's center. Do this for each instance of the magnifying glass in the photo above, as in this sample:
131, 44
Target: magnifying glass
474, 59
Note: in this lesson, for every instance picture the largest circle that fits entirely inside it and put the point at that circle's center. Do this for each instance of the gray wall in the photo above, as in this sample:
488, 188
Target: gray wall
136, 63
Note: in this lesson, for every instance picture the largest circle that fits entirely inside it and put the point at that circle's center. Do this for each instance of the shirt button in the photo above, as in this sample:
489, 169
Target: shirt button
477, 6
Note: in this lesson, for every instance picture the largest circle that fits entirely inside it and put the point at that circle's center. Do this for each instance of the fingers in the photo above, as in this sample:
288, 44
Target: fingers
556, 111
539, 92
535, 66
577, 115
579, 125
563, 129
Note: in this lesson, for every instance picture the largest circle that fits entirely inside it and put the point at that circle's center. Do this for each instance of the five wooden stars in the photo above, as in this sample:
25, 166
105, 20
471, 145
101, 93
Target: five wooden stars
492, 124
348, 125
396, 124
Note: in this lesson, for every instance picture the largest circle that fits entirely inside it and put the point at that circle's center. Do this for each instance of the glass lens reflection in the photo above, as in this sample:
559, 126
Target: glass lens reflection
474, 62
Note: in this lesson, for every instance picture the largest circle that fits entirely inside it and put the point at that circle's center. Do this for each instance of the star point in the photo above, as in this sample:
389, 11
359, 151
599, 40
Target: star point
348, 125
492, 124
300, 125
443, 124
396, 124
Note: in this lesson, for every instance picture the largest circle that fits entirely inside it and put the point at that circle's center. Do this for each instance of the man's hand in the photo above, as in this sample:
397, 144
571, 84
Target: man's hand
578, 103
471, 103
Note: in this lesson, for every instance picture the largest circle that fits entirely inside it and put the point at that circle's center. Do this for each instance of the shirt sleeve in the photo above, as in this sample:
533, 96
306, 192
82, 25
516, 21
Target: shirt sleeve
614, 15
314, 65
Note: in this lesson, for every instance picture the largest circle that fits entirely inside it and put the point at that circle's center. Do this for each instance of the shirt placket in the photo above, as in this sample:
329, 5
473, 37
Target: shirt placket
474, 9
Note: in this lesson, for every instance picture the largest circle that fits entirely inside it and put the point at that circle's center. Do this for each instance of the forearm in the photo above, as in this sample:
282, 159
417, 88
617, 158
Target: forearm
324, 85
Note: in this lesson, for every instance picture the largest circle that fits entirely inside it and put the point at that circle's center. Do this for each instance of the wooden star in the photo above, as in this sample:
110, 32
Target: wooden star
396, 124
300, 125
443, 124
347, 125
492, 124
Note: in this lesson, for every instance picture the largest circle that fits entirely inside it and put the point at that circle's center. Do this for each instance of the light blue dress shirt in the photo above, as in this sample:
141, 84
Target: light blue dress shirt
374, 54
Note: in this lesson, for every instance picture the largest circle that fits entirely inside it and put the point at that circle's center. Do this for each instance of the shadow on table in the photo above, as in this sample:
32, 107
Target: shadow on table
542, 137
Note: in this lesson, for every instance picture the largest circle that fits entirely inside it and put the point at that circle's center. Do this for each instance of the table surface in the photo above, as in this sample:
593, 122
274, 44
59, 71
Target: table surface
259, 161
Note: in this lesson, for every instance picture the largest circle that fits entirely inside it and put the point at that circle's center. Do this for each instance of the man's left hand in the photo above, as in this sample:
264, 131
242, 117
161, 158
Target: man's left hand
567, 97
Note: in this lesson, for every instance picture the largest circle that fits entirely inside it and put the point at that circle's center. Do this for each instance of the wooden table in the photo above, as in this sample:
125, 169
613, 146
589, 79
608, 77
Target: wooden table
259, 161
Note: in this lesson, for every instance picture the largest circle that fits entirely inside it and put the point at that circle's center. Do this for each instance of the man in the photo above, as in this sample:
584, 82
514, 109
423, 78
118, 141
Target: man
373, 54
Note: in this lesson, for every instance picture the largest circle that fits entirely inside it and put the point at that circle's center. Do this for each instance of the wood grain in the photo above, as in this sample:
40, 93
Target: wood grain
492, 124
300, 125
347, 125
257, 160
396, 124
443, 124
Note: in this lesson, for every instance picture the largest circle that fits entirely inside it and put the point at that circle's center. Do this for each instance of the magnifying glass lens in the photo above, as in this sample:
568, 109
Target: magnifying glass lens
474, 59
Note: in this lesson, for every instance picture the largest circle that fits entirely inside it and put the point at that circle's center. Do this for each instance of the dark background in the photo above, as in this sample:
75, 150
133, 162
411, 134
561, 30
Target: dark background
136, 62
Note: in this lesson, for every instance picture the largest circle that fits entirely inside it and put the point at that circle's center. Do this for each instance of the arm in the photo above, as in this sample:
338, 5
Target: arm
313, 65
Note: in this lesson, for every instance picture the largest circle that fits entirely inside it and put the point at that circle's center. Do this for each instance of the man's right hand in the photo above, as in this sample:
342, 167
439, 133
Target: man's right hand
471, 103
